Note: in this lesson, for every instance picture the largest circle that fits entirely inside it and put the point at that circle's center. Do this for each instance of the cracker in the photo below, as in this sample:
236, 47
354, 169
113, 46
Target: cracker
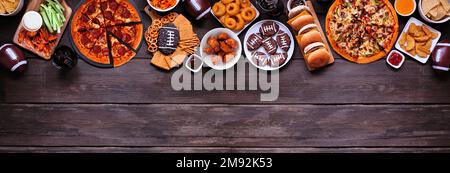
159, 61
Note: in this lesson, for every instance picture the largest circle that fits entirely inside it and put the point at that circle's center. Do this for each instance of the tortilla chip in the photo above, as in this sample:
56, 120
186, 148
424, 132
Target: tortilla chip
2, 9
10, 5
427, 5
445, 5
438, 12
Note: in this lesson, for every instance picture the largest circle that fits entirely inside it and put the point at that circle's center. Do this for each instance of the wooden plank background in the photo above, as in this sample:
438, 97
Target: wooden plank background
342, 108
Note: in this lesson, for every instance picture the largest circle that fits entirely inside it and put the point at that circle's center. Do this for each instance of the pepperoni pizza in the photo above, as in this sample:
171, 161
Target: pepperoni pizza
107, 32
362, 31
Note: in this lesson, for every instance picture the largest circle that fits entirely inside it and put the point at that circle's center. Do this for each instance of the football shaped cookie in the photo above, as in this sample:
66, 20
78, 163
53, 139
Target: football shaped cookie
270, 45
283, 41
168, 39
278, 59
254, 41
260, 58
269, 29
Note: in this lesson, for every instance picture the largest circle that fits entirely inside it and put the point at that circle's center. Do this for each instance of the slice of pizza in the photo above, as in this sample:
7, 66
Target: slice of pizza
120, 53
384, 36
109, 8
100, 51
85, 40
130, 34
83, 23
126, 13
93, 10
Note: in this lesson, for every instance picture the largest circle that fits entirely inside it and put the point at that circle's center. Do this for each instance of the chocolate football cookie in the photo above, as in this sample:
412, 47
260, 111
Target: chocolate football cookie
168, 39
283, 41
260, 58
269, 29
270, 45
277, 59
254, 41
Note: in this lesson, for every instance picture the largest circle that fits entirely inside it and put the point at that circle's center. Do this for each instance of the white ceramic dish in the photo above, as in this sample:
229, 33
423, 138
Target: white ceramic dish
18, 9
255, 29
419, 23
429, 20
392, 65
406, 15
161, 10
207, 58
239, 32
187, 63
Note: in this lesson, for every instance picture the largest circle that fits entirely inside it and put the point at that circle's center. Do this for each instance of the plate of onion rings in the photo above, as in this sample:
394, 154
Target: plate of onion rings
235, 15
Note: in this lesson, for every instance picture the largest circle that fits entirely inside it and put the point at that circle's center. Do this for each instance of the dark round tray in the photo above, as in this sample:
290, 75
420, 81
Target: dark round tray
89, 61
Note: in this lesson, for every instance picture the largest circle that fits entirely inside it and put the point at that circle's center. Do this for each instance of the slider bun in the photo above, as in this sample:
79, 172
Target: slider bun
318, 58
300, 21
310, 37
306, 28
297, 10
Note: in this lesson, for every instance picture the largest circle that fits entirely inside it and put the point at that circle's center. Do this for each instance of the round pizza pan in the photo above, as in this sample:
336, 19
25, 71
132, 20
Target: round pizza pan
89, 61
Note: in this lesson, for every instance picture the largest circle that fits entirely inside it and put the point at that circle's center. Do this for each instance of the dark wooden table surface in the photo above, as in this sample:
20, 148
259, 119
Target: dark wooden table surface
343, 108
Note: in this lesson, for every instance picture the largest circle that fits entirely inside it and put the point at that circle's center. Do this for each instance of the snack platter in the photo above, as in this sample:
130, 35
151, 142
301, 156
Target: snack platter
110, 34
433, 45
34, 6
255, 29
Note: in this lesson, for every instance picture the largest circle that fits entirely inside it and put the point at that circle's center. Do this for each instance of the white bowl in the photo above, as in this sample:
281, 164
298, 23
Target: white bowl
18, 9
161, 10
401, 62
207, 59
406, 15
424, 17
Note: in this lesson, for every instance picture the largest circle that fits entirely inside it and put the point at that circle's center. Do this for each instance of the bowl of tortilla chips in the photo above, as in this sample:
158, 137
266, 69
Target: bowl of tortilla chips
10, 7
435, 11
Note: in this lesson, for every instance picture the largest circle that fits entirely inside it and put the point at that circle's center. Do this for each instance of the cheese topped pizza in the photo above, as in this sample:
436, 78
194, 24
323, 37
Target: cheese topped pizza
98, 23
362, 31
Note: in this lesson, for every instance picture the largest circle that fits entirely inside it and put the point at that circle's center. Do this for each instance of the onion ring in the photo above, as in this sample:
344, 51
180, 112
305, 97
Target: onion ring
219, 9
248, 14
232, 9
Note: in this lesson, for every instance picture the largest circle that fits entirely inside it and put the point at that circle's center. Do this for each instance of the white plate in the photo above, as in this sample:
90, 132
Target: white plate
255, 29
207, 59
239, 32
419, 23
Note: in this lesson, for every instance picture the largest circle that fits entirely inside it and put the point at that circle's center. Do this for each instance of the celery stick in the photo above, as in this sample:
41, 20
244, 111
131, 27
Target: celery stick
46, 22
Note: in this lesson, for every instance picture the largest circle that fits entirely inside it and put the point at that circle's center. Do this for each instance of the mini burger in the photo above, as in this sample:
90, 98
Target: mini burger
307, 35
303, 18
316, 55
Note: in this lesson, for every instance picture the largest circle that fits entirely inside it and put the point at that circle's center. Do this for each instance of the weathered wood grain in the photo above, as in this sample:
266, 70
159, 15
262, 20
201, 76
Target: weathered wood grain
187, 125
139, 82
215, 150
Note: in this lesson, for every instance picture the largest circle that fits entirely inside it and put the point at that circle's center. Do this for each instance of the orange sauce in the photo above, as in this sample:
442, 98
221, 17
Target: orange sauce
404, 7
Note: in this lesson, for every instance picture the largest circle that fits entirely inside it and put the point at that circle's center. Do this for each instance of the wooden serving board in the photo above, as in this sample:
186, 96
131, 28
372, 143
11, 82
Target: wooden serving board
33, 5
324, 38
